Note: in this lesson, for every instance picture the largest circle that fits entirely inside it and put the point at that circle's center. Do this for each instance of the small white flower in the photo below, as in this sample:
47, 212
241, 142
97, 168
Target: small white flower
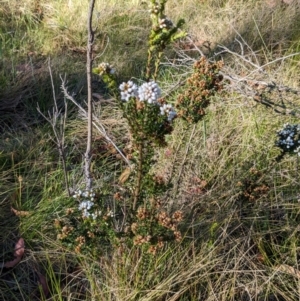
297, 150
85, 214
149, 92
167, 109
96, 214
165, 23
77, 194
88, 193
89, 205
110, 213
154, 9
82, 206
85, 205
105, 68
128, 90
287, 137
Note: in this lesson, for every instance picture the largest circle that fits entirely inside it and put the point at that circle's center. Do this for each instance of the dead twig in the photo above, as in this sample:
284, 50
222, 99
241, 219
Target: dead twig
90, 42
96, 122
55, 118
255, 82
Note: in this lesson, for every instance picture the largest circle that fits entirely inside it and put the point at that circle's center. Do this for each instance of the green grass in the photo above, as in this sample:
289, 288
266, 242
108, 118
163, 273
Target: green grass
234, 248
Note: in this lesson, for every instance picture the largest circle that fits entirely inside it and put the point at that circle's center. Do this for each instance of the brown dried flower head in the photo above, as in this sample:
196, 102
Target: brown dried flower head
57, 223
117, 196
91, 234
69, 211
80, 240
178, 236
152, 250
134, 228
142, 213
177, 216
137, 240
164, 219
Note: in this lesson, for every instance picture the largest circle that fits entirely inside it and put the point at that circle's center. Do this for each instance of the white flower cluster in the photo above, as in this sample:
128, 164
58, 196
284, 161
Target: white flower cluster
110, 213
165, 23
149, 92
297, 151
155, 8
289, 138
167, 109
128, 90
86, 199
105, 68
86, 205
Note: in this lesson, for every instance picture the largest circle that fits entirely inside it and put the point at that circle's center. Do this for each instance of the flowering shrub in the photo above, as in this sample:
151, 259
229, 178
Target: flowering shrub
107, 73
104, 68
86, 225
289, 139
168, 110
149, 92
163, 33
204, 83
128, 90
153, 226
150, 118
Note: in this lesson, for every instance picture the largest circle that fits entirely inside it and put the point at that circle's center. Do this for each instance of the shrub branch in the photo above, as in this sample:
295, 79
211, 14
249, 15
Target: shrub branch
139, 176
88, 153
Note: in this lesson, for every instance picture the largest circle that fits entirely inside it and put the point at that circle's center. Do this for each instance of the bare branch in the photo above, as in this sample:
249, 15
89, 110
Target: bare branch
89, 63
52, 85
96, 122
59, 132
255, 82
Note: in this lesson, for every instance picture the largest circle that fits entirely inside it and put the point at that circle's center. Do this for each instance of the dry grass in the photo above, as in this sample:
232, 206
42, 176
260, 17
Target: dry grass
219, 22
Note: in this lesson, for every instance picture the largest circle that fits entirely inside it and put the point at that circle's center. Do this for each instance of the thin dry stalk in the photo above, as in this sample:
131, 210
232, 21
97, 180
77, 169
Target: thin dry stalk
256, 82
59, 135
139, 178
88, 153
